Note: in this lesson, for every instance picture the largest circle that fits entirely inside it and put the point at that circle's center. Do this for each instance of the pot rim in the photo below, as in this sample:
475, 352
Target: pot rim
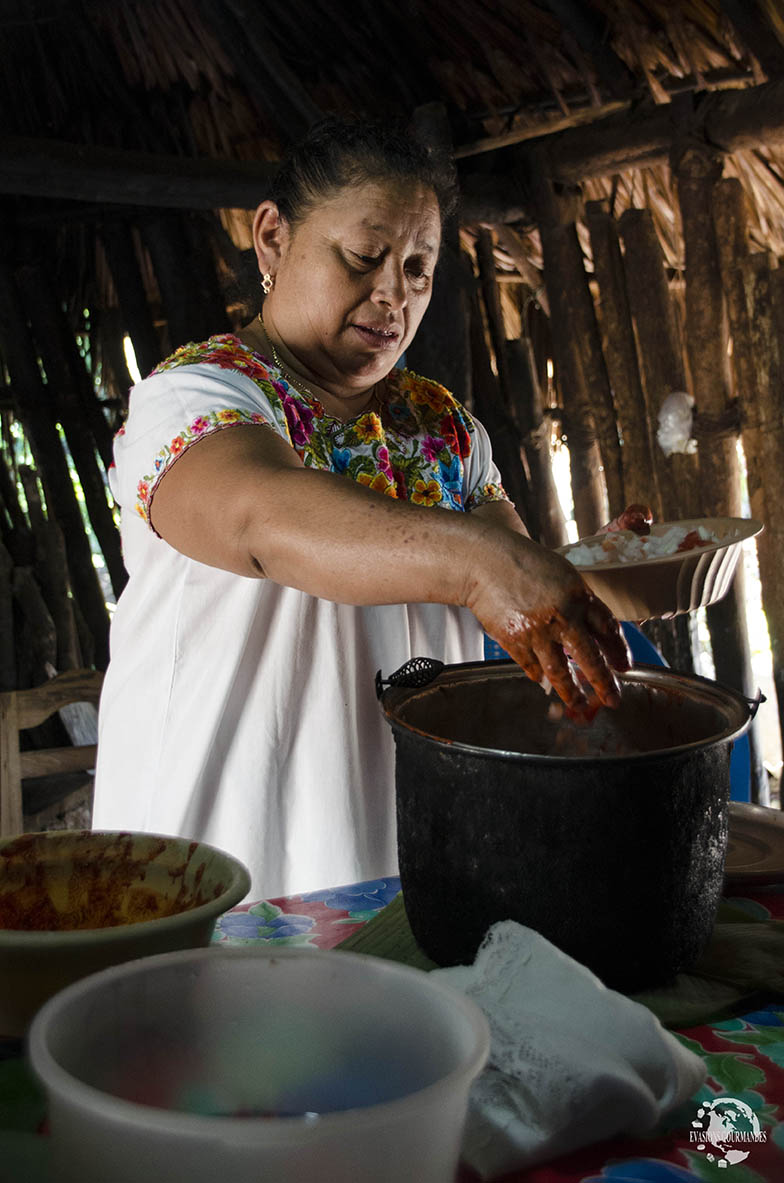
393, 696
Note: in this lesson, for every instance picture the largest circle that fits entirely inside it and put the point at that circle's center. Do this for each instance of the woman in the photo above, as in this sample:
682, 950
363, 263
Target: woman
282, 494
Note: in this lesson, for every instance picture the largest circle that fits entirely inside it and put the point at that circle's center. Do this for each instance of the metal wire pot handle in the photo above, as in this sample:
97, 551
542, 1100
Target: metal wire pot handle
754, 703
417, 672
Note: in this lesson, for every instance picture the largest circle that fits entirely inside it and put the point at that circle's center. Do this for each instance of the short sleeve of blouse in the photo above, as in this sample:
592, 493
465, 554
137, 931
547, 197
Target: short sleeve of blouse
172, 410
482, 480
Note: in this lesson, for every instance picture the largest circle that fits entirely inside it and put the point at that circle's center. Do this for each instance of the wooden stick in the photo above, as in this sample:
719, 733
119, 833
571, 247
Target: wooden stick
511, 242
52, 168
35, 510
10, 774
7, 640
51, 571
112, 332
485, 260
763, 440
79, 382
757, 33
206, 294
85, 639
660, 359
697, 173
124, 266
61, 604
730, 221
28, 598
440, 348
535, 131
548, 525
731, 120
165, 239
579, 426
9, 495
489, 407
640, 483
589, 422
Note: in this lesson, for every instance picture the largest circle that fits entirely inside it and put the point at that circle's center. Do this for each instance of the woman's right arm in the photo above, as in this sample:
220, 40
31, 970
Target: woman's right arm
242, 500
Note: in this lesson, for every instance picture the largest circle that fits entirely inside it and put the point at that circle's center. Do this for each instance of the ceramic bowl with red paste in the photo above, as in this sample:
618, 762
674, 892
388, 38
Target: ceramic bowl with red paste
75, 901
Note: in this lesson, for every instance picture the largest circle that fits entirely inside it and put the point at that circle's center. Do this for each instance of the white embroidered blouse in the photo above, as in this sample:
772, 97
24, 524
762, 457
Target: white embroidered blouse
243, 713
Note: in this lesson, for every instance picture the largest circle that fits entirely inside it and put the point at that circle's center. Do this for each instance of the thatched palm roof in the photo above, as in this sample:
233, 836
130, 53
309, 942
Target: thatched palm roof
235, 80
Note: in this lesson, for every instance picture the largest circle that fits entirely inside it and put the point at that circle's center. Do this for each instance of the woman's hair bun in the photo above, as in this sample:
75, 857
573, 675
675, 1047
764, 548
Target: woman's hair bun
339, 153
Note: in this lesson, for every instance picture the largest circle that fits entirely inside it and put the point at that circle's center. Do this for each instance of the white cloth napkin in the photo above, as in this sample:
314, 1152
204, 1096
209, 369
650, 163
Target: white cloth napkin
571, 1062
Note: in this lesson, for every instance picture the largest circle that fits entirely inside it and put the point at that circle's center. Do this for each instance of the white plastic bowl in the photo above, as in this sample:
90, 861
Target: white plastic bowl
237, 1065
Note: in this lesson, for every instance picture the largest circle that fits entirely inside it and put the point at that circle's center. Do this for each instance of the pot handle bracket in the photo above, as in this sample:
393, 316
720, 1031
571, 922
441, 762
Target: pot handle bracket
754, 703
419, 671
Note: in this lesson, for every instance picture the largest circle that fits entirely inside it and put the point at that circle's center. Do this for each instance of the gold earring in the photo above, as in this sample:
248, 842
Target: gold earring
267, 283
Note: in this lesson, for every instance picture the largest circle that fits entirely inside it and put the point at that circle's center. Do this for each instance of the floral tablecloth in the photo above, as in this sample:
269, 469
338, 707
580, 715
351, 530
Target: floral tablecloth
744, 1056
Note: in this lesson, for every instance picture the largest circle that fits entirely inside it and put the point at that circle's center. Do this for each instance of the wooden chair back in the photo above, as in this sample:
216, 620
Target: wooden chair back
20, 709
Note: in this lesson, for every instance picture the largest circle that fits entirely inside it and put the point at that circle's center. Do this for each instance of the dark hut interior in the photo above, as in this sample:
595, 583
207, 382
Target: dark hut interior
621, 167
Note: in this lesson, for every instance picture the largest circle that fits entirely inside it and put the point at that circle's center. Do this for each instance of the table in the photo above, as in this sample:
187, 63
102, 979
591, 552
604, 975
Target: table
744, 1058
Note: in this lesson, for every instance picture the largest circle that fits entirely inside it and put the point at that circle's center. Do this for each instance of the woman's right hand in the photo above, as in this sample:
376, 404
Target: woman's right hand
538, 608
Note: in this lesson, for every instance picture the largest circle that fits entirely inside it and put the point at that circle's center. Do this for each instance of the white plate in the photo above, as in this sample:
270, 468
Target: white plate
667, 585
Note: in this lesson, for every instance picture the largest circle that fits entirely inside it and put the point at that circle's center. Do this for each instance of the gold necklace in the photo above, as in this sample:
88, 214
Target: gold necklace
299, 384
283, 368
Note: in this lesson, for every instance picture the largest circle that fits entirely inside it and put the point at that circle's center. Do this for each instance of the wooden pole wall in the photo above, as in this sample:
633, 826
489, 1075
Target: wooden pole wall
38, 416
45, 317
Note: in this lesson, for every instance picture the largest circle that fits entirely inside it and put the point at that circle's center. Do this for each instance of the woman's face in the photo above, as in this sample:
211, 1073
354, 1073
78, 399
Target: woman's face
353, 281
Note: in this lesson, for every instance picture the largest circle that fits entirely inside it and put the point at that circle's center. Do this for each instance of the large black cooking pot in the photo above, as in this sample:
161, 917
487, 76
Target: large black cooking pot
608, 838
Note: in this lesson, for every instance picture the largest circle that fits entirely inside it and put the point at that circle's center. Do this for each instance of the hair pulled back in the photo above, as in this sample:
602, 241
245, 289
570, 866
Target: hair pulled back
339, 153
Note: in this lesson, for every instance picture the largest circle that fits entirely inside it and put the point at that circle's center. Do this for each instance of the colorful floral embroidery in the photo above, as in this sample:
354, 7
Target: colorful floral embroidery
433, 396
426, 492
420, 458
491, 492
368, 428
199, 428
380, 482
